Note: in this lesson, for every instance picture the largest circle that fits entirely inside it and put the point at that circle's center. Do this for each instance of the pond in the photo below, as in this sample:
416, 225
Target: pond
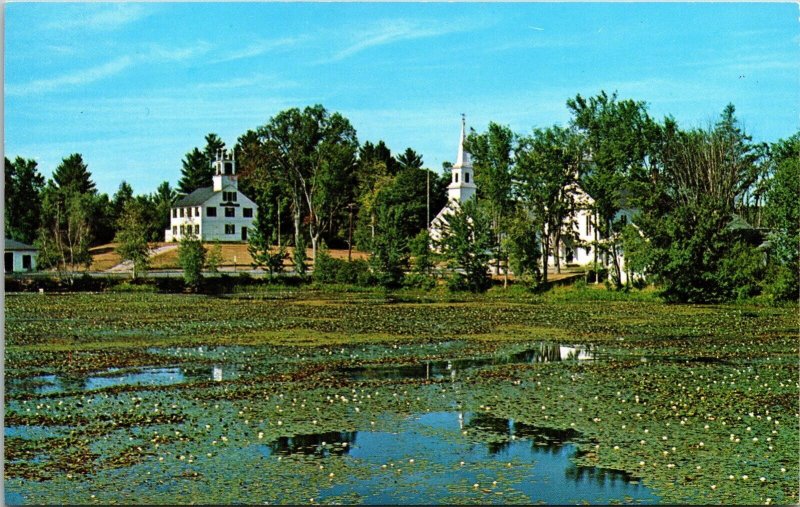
436, 461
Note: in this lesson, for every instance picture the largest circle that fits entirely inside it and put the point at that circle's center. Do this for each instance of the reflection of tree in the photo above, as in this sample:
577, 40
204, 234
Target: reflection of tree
311, 445
495, 426
600, 476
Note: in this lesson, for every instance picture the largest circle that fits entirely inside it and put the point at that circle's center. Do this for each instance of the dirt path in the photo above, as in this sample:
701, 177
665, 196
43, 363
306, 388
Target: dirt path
127, 266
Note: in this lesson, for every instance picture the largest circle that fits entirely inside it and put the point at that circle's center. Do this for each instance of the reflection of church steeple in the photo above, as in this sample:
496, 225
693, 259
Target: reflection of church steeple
462, 184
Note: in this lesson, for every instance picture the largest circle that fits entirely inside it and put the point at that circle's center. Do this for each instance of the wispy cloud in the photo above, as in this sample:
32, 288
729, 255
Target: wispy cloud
77, 78
105, 17
388, 32
152, 54
259, 48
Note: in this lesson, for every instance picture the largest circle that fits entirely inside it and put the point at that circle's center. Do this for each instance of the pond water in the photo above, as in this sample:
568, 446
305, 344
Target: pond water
113, 377
430, 460
437, 370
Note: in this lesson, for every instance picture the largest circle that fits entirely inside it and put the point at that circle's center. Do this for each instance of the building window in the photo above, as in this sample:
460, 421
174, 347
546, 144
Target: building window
230, 229
174, 230
230, 212
247, 212
455, 175
229, 196
183, 230
197, 212
588, 224
228, 168
26, 262
197, 229
466, 177
182, 213
174, 212
211, 211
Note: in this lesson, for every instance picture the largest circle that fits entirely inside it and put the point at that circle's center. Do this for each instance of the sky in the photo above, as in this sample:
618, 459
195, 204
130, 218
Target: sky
134, 86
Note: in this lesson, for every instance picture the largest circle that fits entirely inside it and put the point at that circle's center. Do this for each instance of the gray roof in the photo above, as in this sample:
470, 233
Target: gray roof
16, 245
196, 198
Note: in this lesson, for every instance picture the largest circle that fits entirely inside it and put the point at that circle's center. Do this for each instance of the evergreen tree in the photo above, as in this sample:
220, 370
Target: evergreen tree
72, 173
23, 205
196, 172
409, 159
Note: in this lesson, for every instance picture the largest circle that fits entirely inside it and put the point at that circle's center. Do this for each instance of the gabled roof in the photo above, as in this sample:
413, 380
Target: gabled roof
17, 245
196, 198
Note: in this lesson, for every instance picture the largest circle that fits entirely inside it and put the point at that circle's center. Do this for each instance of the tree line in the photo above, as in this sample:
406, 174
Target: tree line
716, 215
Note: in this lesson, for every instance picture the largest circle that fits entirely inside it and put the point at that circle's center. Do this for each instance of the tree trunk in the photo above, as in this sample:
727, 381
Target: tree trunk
545, 254
558, 251
596, 277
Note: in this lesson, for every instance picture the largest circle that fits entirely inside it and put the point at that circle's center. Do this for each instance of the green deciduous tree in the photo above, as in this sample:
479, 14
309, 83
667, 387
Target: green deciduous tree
783, 218
493, 158
313, 153
131, 237
546, 172
618, 136
66, 231
23, 205
687, 212
466, 243
192, 258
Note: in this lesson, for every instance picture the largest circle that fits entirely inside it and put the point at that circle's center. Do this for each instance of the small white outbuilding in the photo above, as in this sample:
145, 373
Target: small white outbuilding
19, 257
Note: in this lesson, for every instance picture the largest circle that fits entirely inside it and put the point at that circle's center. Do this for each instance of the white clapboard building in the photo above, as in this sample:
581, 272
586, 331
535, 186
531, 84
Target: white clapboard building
219, 212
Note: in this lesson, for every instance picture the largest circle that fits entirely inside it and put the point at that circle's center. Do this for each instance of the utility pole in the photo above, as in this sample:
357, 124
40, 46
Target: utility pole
278, 217
350, 234
428, 196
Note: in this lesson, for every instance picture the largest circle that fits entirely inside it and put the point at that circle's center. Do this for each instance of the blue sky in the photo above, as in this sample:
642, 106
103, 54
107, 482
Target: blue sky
133, 87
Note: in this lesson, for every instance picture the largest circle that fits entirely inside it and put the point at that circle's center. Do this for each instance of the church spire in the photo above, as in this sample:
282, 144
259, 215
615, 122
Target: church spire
463, 159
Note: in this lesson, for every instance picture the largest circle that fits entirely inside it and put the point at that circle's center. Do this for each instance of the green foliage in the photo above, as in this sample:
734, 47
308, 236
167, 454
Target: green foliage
23, 205
312, 153
214, 257
466, 244
299, 258
73, 174
197, 171
131, 237
523, 249
328, 270
191, 257
546, 171
693, 245
409, 159
420, 249
783, 217
66, 232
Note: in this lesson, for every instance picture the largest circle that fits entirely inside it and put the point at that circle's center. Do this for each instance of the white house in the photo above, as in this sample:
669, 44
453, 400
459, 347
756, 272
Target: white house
462, 186
19, 257
219, 212
580, 233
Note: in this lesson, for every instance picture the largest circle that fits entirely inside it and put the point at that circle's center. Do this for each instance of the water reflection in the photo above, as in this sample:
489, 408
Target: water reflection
317, 444
115, 377
438, 370
541, 459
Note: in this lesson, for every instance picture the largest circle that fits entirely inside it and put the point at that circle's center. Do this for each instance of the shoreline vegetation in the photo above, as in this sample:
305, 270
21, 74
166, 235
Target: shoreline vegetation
699, 402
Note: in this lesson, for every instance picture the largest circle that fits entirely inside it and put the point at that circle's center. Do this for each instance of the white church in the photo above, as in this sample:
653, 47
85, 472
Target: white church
219, 212
579, 230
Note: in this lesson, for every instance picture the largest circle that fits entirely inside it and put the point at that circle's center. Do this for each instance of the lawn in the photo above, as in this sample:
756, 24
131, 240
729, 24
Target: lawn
699, 404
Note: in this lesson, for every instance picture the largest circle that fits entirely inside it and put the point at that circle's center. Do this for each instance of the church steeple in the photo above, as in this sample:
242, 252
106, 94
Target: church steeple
224, 167
462, 184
